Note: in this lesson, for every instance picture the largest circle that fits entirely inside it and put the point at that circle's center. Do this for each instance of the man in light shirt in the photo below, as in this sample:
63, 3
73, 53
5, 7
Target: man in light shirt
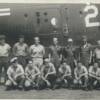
31, 75
94, 76
5, 50
37, 52
96, 53
81, 76
20, 50
65, 75
15, 75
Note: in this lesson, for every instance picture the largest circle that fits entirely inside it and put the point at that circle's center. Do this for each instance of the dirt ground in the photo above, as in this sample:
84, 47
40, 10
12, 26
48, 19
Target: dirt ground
50, 94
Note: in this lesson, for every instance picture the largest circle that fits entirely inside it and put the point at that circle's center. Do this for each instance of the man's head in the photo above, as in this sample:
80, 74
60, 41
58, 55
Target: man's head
14, 62
30, 64
70, 41
98, 42
2, 39
55, 41
37, 40
21, 38
84, 39
46, 61
95, 65
79, 64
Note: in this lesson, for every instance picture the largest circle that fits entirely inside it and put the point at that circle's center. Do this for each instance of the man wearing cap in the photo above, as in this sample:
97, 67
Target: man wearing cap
37, 52
55, 53
96, 53
20, 50
85, 53
31, 73
48, 75
15, 75
69, 55
5, 49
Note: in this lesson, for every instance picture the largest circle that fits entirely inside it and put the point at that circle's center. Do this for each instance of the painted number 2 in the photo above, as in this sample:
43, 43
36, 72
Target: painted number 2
90, 16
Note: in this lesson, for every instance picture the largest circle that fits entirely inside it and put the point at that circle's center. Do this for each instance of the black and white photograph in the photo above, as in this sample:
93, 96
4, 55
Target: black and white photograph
50, 49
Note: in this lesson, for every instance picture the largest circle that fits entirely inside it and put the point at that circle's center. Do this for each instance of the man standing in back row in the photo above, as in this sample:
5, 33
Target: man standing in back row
20, 50
37, 52
5, 50
85, 55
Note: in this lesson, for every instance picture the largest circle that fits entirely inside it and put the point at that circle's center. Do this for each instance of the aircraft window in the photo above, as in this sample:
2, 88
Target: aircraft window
37, 14
25, 15
45, 13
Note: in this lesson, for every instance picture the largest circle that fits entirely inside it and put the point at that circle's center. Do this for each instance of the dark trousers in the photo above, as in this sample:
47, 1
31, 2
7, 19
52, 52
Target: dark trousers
42, 84
4, 63
91, 83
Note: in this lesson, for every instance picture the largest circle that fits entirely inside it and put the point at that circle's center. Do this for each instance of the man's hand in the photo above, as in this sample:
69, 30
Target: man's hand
48, 83
14, 83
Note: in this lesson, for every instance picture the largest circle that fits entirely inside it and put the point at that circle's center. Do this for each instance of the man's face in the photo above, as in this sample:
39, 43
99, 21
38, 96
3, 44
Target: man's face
55, 41
79, 64
95, 65
2, 41
36, 40
84, 40
21, 40
30, 66
14, 64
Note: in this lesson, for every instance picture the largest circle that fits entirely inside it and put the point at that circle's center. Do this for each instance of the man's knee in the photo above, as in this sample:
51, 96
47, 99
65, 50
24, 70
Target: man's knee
8, 83
27, 83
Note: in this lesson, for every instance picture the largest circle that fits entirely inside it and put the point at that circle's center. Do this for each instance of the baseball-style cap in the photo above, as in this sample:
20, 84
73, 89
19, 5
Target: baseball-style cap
70, 40
46, 60
13, 60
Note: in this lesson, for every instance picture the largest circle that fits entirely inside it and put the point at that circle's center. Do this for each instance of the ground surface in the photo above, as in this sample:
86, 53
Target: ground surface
50, 94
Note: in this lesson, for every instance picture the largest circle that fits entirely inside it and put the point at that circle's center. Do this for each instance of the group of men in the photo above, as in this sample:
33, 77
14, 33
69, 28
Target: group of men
27, 67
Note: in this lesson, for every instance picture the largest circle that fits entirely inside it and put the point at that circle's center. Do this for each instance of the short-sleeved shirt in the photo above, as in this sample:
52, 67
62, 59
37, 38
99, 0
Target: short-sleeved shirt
31, 72
13, 72
93, 71
37, 51
20, 50
97, 53
65, 69
4, 50
46, 69
80, 71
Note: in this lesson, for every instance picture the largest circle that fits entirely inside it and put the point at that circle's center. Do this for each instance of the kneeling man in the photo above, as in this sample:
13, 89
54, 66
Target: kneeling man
15, 75
94, 76
64, 76
81, 76
48, 75
31, 72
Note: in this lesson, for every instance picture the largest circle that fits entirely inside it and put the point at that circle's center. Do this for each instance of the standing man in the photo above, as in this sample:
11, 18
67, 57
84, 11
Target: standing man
37, 52
15, 75
85, 54
81, 75
96, 53
5, 50
20, 50
69, 55
55, 53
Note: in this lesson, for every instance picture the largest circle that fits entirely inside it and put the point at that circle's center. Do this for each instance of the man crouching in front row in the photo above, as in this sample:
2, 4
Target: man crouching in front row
15, 75
81, 76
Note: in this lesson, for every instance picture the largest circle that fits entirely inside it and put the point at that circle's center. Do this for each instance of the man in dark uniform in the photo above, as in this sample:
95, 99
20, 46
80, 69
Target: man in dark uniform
69, 55
85, 54
55, 53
